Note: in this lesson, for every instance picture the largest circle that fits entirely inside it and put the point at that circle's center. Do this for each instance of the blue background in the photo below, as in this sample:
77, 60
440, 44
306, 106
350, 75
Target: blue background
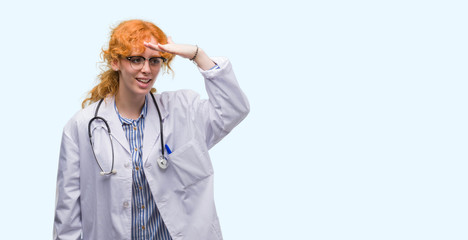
358, 123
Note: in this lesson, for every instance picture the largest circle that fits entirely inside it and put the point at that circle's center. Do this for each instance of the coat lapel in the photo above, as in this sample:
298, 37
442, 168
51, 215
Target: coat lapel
152, 127
107, 111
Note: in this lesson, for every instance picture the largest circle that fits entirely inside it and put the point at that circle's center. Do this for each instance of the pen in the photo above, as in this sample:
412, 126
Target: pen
168, 149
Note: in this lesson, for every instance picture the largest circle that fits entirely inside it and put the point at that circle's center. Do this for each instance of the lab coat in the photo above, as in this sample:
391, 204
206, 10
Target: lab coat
99, 207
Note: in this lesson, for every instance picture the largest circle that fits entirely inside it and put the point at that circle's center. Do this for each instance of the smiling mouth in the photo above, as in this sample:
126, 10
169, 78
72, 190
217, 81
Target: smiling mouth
143, 80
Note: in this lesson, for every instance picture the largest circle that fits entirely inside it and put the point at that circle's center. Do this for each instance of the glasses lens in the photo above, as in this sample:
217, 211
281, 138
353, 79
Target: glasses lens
154, 62
136, 62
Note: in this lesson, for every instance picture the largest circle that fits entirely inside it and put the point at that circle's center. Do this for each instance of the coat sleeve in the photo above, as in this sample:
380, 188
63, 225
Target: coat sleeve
227, 105
67, 221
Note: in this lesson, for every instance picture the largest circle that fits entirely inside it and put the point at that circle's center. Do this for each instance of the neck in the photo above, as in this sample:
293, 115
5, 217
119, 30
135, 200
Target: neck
129, 106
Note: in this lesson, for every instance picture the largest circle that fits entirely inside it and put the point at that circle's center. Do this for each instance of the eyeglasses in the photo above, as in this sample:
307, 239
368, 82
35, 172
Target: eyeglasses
137, 62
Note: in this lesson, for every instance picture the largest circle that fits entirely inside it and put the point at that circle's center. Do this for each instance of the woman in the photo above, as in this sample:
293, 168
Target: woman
150, 177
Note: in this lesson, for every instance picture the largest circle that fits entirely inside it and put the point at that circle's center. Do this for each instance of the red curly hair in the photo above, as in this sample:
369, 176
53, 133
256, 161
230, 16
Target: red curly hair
127, 37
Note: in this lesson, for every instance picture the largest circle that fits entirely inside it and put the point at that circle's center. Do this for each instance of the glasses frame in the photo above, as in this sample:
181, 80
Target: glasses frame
131, 64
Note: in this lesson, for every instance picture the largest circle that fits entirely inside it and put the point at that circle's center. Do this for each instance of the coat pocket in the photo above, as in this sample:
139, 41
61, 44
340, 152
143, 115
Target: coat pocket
191, 163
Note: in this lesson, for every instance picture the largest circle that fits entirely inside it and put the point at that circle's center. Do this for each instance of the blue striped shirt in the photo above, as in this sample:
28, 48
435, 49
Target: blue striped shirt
146, 220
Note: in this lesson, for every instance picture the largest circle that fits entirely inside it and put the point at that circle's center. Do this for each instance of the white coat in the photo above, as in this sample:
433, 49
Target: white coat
99, 207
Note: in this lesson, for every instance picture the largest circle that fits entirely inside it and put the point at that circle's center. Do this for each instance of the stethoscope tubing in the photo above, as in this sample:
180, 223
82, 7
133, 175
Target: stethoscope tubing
160, 124
96, 117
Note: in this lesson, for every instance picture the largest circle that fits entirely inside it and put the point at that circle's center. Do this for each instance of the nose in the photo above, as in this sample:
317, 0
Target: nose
146, 67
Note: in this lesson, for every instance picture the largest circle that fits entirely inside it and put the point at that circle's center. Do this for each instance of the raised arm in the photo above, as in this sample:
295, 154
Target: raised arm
188, 51
227, 105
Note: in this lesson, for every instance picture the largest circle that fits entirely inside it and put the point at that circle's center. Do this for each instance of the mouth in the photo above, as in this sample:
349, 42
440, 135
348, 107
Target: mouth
143, 80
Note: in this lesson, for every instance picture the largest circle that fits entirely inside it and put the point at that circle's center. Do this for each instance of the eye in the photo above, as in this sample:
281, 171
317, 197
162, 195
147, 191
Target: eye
136, 59
155, 61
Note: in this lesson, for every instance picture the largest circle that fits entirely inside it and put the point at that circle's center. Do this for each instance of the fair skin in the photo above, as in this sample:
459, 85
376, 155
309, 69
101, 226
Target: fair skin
135, 84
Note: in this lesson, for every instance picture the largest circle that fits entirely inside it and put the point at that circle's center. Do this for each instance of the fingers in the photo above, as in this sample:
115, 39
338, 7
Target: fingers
183, 50
169, 47
152, 46
165, 48
157, 47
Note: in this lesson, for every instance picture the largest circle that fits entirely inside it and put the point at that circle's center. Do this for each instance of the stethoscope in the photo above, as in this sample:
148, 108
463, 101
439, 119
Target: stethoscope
162, 161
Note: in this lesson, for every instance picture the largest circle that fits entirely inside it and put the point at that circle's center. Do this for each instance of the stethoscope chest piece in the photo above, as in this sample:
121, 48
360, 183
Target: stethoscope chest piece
162, 162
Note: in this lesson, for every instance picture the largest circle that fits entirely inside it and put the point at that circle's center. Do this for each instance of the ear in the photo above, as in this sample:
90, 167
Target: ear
115, 64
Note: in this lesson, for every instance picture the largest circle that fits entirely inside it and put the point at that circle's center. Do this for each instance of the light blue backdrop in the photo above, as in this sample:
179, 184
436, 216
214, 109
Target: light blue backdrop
358, 123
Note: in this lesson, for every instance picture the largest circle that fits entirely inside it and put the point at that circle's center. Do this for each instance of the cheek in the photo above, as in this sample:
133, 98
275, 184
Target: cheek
125, 78
157, 71
127, 72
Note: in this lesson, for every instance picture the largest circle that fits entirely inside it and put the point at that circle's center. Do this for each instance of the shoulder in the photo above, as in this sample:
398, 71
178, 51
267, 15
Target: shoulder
178, 102
179, 97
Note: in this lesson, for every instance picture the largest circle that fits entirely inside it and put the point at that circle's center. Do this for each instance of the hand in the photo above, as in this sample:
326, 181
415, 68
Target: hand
183, 50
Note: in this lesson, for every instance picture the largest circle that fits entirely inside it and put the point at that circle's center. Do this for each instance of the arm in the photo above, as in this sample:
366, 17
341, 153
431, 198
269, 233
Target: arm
227, 105
186, 51
67, 221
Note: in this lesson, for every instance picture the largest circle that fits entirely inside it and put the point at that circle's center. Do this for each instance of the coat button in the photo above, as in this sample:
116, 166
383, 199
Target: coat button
127, 165
125, 204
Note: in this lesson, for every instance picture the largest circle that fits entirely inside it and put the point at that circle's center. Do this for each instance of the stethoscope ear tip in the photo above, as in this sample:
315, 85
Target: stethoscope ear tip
102, 173
114, 171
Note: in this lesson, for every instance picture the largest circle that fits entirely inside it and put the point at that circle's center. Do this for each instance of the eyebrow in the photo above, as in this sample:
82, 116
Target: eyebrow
146, 58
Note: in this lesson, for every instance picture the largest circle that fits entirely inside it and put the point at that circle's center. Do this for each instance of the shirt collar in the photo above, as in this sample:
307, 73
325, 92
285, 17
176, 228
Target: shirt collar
124, 120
